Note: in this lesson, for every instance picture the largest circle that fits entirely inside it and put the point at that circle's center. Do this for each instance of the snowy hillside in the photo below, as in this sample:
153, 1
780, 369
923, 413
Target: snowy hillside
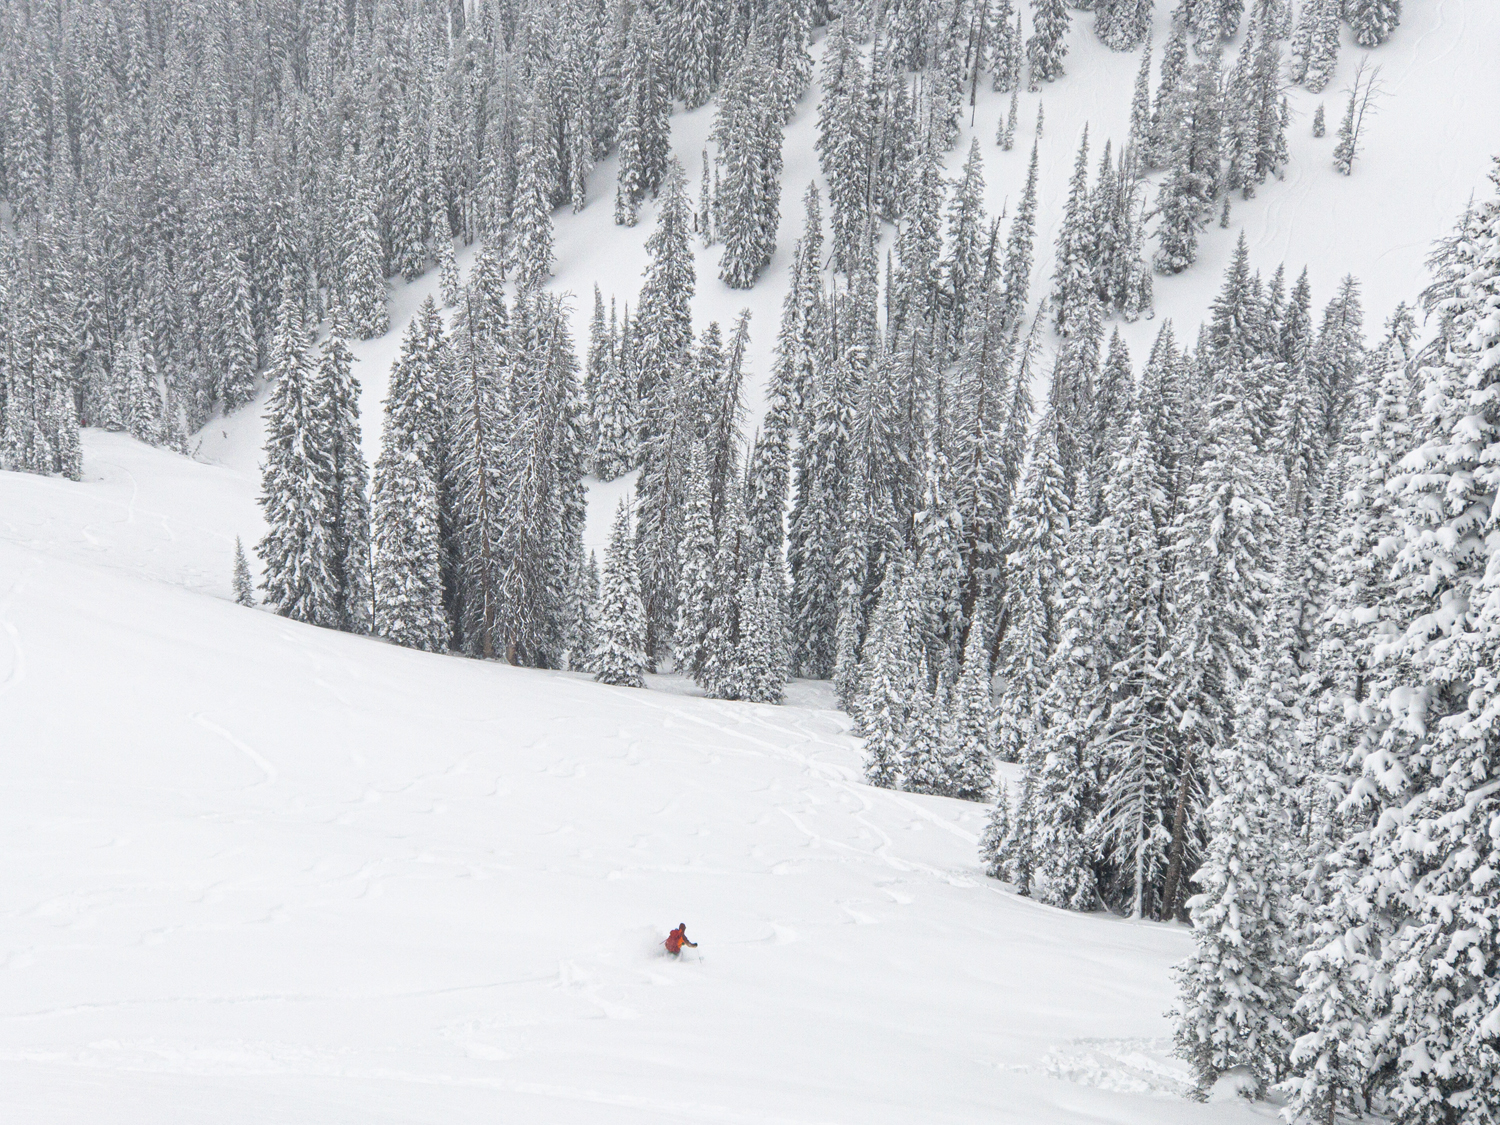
1428, 148
266, 872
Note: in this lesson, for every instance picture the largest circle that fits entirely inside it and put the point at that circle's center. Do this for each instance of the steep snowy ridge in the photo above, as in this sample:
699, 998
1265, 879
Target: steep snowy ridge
262, 871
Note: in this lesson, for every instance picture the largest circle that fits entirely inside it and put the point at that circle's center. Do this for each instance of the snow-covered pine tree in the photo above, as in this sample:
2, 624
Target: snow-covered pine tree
962, 268
1037, 532
924, 767
697, 548
1372, 21
1428, 777
243, 586
1315, 44
335, 392
620, 655
971, 738
406, 529
695, 47
1122, 25
298, 548
912, 292
362, 271
449, 285
1073, 280
844, 143
762, 657
235, 339
1015, 859
530, 243
1003, 45
644, 150
539, 536
616, 413
1185, 199
1015, 276
1138, 141
1234, 991
1005, 133
816, 530
1222, 533
888, 679
1158, 151
748, 133
475, 437
1047, 46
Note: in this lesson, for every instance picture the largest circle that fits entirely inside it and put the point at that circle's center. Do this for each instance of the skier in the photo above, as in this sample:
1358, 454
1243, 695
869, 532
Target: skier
677, 939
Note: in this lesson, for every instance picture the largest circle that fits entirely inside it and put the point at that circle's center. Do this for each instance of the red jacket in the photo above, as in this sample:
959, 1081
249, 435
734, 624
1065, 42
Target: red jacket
678, 938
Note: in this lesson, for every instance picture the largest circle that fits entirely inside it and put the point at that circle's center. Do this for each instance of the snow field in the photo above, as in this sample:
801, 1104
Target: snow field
262, 871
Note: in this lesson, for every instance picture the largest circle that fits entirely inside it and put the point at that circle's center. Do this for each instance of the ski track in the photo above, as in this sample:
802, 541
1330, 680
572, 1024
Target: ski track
254, 755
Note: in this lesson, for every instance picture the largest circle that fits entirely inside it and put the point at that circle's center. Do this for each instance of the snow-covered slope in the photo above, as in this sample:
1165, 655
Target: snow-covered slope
1424, 154
264, 872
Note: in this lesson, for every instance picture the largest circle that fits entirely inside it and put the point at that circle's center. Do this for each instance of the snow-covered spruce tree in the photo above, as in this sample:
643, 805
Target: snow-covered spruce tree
1005, 131
1372, 21
697, 548
530, 243
971, 737
1315, 43
1073, 279
612, 398
1222, 533
335, 394
816, 531
1138, 140
620, 655
923, 764
1048, 45
762, 656
449, 285
1122, 25
235, 338
1234, 992
644, 108
1135, 735
1186, 197
671, 410
912, 292
1157, 152
747, 132
1003, 46
539, 538
244, 587
1015, 859
1236, 987
844, 143
362, 270
694, 35
1015, 276
996, 832
888, 679
962, 268
663, 325
298, 549
406, 532
1431, 772
1039, 523
475, 437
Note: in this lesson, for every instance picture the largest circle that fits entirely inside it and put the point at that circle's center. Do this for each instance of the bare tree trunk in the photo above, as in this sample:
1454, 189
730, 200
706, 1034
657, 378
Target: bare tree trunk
1179, 839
